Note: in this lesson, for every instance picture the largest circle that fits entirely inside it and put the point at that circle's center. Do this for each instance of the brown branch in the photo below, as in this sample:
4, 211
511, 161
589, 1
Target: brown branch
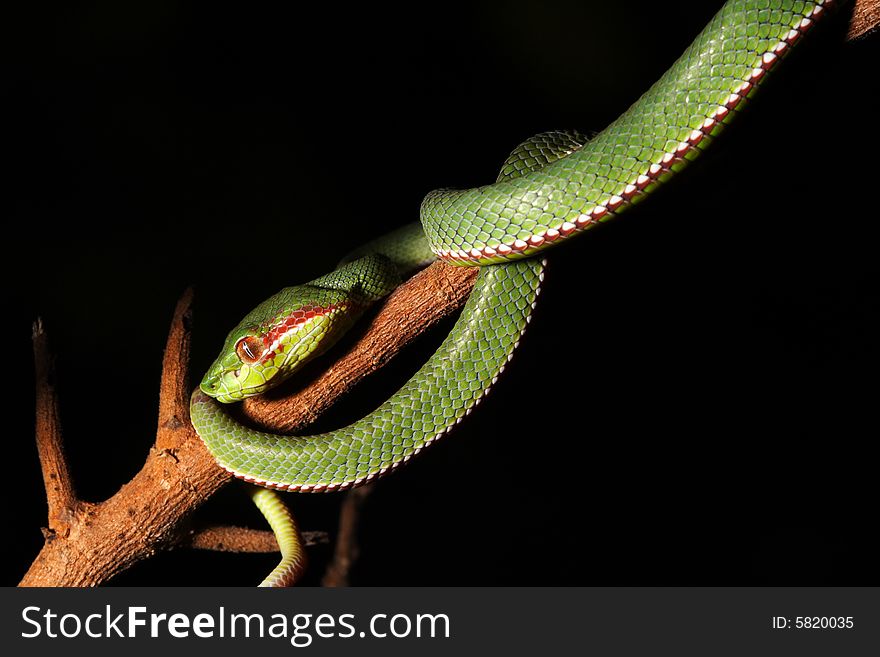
865, 19
174, 387
243, 539
347, 550
60, 494
150, 513
146, 513
428, 297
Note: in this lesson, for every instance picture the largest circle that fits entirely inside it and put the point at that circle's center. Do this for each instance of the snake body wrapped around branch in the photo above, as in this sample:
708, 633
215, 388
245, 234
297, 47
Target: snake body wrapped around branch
553, 187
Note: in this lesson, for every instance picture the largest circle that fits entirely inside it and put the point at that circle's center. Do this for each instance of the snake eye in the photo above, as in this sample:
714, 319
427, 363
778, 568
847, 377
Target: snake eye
249, 349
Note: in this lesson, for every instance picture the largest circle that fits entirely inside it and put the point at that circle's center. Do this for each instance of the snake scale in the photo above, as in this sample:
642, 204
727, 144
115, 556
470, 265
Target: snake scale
553, 187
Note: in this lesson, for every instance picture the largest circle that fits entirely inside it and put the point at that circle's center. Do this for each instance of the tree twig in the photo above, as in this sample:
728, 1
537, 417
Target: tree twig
865, 19
60, 494
174, 387
347, 546
243, 539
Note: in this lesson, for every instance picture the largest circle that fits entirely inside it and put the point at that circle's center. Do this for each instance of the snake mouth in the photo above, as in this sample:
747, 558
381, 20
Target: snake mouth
213, 386
231, 387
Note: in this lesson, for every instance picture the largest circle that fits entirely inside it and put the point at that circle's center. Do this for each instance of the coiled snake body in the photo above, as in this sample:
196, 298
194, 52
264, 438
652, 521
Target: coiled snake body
553, 187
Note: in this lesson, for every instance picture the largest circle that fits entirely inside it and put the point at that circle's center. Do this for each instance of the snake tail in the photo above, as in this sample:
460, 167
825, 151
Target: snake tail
293, 556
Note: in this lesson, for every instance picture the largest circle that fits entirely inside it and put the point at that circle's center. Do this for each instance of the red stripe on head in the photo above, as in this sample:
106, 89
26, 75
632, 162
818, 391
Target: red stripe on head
292, 322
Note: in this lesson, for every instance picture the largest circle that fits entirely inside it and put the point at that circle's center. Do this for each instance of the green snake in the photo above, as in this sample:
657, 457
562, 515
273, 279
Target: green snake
552, 187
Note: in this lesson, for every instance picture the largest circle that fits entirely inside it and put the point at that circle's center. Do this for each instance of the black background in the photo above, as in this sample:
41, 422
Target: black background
695, 402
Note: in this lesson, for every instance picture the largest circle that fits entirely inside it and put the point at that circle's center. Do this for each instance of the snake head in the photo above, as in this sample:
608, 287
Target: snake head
276, 338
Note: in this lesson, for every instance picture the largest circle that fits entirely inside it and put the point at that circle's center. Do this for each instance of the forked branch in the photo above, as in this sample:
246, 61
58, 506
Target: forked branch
87, 544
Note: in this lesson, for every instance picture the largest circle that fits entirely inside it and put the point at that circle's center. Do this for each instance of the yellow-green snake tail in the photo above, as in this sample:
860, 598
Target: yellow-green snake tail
293, 556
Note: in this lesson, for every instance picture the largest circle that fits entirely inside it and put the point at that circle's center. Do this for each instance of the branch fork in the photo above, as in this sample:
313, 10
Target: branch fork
87, 543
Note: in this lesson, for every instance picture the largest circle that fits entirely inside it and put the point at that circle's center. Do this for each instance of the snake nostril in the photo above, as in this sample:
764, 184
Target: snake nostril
210, 384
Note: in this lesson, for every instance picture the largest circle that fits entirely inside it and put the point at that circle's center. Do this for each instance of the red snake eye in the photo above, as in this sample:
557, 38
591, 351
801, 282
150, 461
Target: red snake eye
249, 349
